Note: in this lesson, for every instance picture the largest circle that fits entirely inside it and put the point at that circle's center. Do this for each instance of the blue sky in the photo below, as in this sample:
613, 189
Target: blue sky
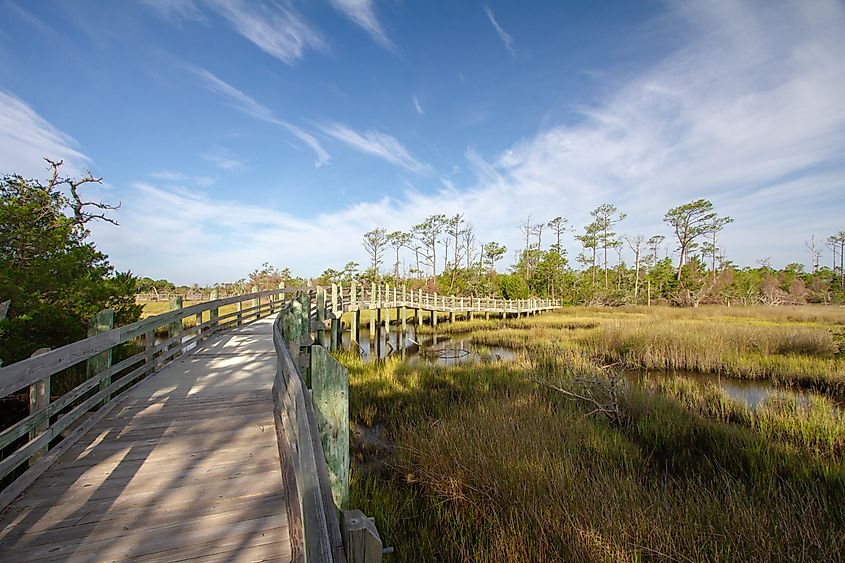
235, 133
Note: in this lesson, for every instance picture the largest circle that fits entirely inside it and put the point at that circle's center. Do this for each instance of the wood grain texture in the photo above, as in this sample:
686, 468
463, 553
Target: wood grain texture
186, 467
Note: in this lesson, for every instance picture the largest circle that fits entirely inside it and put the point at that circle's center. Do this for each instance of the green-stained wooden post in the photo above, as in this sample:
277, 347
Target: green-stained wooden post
256, 303
305, 335
292, 329
214, 313
321, 315
305, 312
39, 399
337, 311
100, 323
330, 396
434, 312
387, 320
452, 312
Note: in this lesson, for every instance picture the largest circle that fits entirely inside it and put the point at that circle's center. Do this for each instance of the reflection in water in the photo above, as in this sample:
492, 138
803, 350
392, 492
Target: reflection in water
437, 349
449, 350
753, 393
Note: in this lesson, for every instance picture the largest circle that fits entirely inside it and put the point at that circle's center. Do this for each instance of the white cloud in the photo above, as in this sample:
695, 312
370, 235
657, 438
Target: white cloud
503, 35
274, 27
180, 177
748, 113
363, 13
222, 159
417, 105
377, 144
26, 138
247, 105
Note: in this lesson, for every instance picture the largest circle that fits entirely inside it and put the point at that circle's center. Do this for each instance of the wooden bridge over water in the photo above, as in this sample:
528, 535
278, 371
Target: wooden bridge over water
224, 440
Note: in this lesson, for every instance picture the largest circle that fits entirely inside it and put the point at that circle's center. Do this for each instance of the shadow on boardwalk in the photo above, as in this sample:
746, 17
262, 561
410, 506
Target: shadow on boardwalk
186, 467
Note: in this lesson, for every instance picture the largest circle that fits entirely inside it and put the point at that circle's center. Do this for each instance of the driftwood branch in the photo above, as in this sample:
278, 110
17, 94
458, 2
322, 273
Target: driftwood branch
608, 406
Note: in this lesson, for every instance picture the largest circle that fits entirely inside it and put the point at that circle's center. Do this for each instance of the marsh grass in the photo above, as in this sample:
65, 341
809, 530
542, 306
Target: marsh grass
801, 346
489, 468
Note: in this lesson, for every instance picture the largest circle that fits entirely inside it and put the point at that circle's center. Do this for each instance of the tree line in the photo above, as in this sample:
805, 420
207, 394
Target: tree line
446, 255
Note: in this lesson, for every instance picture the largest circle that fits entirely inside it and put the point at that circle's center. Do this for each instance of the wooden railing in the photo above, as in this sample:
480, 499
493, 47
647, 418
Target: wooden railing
310, 395
310, 507
54, 423
381, 296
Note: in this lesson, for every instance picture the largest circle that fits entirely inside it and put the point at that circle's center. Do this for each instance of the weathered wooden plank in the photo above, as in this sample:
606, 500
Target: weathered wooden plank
34, 420
291, 407
363, 544
21, 374
330, 390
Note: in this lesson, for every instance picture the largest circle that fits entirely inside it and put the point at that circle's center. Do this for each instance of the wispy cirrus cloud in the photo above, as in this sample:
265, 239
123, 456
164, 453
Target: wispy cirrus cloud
223, 159
249, 106
746, 112
274, 27
176, 11
375, 143
503, 35
182, 178
26, 138
363, 13
417, 105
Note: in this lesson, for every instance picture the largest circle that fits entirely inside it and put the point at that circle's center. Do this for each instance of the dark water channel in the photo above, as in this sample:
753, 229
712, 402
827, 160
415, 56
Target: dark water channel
447, 349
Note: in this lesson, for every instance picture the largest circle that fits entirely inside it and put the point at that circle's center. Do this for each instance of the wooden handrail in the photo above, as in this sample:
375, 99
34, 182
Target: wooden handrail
39, 369
312, 514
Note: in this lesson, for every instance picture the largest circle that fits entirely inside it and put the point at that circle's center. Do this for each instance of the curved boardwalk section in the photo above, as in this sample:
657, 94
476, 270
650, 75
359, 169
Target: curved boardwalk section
185, 467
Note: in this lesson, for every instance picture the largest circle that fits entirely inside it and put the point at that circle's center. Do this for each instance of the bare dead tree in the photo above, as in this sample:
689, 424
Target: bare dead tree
815, 254
81, 213
635, 243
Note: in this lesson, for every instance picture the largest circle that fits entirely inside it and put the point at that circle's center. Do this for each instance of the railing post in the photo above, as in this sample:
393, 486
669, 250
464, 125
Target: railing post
361, 538
149, 349
330, 394
175, 328
337, 311
256, 303
240, 306
39, 399
373, 307
321, 315
434, 311
404, 312
355, 322
100, 323
214, 313
292, 329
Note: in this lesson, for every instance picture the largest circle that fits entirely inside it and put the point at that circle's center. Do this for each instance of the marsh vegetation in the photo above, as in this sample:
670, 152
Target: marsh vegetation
496, 462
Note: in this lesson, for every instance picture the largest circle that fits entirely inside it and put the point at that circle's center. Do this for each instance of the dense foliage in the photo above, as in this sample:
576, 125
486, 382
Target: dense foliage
55, 278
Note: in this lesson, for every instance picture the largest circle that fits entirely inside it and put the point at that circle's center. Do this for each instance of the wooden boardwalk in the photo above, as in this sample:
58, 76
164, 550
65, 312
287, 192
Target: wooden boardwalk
185, 467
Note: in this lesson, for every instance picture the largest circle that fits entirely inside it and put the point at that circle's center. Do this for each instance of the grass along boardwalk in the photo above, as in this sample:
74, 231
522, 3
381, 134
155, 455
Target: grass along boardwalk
193, 434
